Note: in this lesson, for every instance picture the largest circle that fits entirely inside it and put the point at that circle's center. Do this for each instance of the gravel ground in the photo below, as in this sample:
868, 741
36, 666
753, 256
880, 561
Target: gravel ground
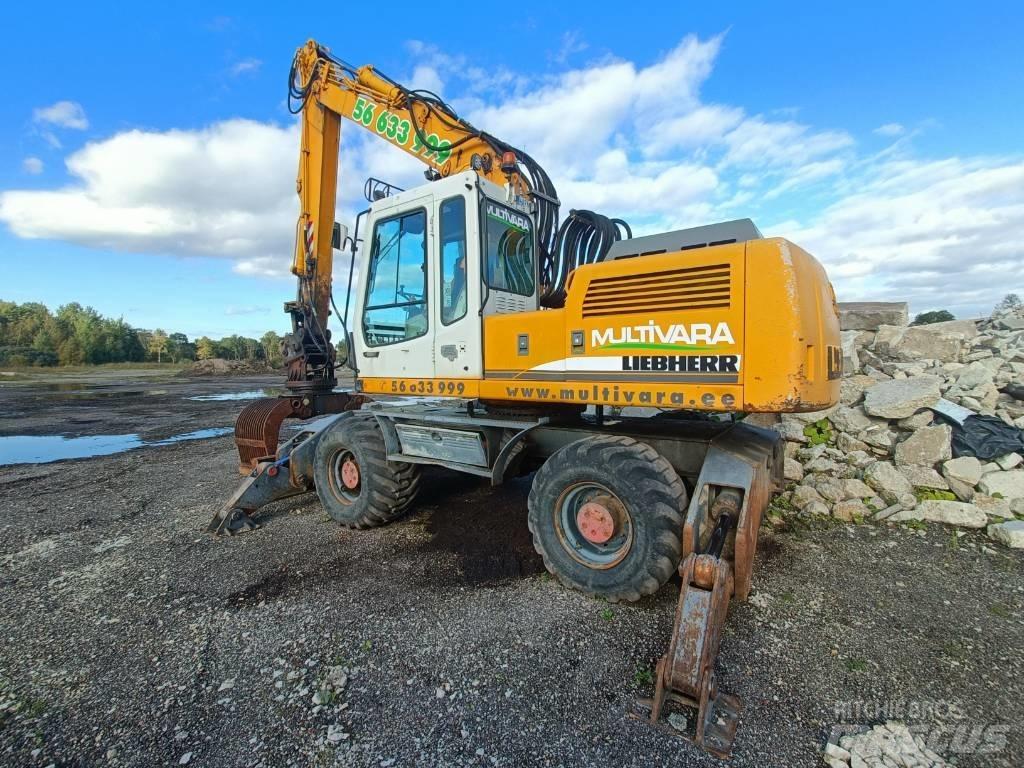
130, 637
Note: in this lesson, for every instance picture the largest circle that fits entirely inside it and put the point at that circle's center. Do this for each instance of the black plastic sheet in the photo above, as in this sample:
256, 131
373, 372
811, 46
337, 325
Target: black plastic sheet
986, 438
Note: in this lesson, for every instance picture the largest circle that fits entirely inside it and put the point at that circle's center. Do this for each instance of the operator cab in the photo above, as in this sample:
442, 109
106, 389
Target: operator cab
435, 259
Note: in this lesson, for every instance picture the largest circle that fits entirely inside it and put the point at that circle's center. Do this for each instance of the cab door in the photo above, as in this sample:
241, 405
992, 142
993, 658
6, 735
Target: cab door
394, 309
458, 351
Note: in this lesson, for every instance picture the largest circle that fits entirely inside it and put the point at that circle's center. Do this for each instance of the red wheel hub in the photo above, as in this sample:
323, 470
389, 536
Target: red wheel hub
596, 522
350, 473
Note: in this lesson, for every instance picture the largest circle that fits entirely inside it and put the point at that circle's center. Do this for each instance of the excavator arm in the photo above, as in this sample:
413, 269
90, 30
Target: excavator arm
324, 89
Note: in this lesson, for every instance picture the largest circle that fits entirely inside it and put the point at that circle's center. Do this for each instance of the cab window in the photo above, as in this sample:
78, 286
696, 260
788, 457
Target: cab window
396, 290
453, 259
508, 249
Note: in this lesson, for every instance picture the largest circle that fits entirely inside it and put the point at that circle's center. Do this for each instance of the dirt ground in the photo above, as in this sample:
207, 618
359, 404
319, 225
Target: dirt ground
131, 637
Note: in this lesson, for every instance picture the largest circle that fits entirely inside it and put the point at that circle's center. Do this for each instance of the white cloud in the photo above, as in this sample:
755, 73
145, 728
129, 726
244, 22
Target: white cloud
629, 139
426, 78
32, 165
890, 129
572, 43
759, 142
245, 66
66, 114
934, 233
224, 191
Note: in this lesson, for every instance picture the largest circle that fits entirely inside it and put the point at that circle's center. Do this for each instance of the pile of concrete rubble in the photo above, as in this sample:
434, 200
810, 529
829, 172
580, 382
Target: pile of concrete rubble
883, 454
891, 744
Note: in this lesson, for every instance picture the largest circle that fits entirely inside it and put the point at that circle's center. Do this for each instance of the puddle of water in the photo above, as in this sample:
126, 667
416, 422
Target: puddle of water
42, 449
199, 434
250, 395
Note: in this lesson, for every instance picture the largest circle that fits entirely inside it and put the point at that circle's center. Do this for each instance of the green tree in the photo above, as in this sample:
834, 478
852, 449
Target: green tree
180, 348
935, 316
205, 348
70, 352
158, 344
44, 341
271, 343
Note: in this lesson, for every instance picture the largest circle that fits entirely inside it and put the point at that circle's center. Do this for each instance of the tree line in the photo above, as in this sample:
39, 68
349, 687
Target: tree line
30, 334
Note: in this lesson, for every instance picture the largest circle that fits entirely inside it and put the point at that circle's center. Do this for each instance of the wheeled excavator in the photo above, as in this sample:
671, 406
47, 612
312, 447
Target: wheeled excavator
488, 338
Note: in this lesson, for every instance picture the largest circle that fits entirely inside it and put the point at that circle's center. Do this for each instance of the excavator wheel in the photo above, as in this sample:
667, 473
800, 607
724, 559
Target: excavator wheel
606, 513
356, 484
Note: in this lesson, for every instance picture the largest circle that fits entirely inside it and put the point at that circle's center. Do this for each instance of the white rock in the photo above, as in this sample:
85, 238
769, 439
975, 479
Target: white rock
816, 509
956, 513
792, 470
678, 722
1009, 485
830, 487
924, 477
870, 315
822, 464
887, 481
851, 390
879, 436
185, 758
848, 343
804, 495
792, 431
968, 328
851, 420
966, 469
917, 343
900, 398
973, 375
335, 733
1009, 533
918, 420
850, 510
926, 447
227, 685
1009, 461
992, 506
856, 489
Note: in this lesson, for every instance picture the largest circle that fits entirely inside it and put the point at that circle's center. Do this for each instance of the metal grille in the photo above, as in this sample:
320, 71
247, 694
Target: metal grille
674, 290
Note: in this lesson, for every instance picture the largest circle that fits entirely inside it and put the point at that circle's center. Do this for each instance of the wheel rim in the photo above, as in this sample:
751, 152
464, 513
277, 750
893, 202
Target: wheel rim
593, 525
346, 477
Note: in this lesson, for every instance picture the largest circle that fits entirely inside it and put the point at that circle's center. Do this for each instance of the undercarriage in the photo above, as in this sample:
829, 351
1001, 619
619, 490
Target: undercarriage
616, 502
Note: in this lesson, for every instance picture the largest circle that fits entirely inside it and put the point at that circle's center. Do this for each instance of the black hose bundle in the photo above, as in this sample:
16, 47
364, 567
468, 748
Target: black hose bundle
583, 238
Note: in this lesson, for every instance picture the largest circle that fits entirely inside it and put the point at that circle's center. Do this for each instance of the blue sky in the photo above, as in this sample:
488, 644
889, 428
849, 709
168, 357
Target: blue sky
148, 161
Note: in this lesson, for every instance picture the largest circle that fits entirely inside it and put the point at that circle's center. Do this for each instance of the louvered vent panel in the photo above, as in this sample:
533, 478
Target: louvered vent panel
670, 291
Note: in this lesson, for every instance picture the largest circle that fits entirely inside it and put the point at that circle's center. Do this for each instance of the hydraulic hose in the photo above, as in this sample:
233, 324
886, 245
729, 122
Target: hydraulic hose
583, 238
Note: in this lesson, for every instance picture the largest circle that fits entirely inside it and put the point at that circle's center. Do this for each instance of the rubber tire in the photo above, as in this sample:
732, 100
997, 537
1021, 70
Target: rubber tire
388, 488
653, 495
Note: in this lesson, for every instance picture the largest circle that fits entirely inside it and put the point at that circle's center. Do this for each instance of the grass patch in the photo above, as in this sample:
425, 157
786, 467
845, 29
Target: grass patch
955, 650
1000, 610
643, 676
933, 494
856, 665
818, 432
607, 614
